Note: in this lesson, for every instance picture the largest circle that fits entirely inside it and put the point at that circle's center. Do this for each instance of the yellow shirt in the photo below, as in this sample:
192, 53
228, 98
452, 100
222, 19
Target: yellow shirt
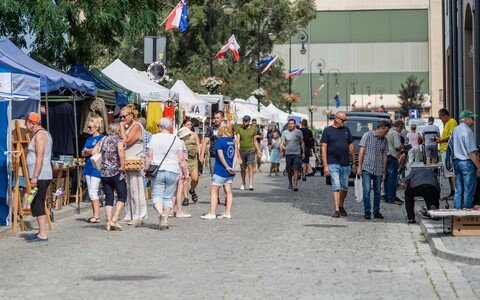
447, 131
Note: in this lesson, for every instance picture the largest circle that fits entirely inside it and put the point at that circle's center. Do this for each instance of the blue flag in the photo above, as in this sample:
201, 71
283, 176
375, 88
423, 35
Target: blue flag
184, 19
337, 101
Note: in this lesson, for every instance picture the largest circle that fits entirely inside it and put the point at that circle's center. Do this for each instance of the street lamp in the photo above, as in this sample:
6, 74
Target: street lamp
302, 38
227, 9
320, 66
368, 88
352, 83
272, 35
335, 74
378, 90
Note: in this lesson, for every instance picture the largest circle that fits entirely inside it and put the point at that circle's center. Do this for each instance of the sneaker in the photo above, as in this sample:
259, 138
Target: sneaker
183, 215
411, 221
367, 216
242, 187
224, 216
336, 214
378, 215
399, 200
290, 186
343, 212
384, 199
250, 188
295, 189
208, 216
162, 222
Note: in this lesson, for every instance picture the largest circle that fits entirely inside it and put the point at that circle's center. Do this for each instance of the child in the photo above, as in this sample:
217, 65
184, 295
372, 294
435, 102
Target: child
275, 154
223, 173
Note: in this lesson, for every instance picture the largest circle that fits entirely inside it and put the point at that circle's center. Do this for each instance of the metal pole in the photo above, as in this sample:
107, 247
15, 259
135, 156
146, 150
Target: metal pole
310, 77
328, 96
154, 53
258, 60
290, 78
210, 54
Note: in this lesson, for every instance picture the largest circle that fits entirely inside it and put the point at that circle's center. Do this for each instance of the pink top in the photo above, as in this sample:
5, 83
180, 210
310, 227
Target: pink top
413, 139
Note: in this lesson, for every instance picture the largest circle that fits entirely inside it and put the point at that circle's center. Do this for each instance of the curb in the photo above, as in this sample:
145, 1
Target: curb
66, 212
438, 247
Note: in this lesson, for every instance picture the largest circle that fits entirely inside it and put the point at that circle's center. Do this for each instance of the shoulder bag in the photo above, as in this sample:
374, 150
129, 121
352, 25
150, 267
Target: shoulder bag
153, 169
96, 159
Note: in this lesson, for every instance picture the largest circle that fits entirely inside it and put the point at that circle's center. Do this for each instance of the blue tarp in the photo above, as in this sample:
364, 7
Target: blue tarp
50, 79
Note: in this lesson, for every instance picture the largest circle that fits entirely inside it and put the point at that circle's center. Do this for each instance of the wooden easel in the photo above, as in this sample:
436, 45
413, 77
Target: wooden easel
19, 161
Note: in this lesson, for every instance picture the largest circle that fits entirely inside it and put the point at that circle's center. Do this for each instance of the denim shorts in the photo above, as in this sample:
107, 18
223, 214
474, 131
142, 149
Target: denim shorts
221, 181
339, 175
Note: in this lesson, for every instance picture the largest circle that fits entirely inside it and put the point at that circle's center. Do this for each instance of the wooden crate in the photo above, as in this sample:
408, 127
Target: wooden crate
466, 226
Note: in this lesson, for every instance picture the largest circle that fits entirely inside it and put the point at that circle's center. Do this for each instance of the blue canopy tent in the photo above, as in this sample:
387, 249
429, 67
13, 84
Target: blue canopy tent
119, 98
12, 57
19, 94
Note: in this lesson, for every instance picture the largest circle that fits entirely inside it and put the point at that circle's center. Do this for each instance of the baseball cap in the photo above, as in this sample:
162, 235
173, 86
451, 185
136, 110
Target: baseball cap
33, 117
467, 114
246, 118
183, 132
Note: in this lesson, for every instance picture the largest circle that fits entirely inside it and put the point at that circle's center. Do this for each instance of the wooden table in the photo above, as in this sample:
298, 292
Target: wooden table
63, 171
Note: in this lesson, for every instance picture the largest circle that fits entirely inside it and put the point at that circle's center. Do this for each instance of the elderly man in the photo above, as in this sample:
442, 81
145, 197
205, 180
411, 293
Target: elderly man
465, 161
395, 148
336, 148
421, 182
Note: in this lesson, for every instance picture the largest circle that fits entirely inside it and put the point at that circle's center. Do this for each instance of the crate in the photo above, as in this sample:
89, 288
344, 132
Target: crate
465, 226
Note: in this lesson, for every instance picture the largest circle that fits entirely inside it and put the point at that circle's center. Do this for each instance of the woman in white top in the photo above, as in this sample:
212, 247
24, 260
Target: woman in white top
165, 150
131, 132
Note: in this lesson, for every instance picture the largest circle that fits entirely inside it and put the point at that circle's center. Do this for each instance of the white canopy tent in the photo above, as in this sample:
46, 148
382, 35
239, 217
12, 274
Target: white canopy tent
190, 102
253, 102
243, 108
279, 116
134, 81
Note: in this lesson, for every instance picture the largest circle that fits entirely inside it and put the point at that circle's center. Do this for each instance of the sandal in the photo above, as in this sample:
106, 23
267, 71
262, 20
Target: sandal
194, 196
185, 202
92, 220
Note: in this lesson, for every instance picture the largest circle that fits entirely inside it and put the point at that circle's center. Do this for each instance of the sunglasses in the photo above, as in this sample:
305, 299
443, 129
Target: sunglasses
124, 116
343, 120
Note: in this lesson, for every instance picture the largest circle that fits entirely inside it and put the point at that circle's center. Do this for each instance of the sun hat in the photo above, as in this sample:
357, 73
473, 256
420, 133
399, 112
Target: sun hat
467, 114
183, 132
33, 117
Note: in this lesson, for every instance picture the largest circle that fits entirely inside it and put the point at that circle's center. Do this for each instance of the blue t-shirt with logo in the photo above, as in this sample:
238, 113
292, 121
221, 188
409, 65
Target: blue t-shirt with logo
227, 145
89, 169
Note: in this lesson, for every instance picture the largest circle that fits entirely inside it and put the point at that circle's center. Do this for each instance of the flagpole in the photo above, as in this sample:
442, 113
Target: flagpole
210, 54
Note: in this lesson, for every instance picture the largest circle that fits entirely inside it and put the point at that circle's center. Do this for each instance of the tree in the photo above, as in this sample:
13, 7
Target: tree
65, 32
410, 95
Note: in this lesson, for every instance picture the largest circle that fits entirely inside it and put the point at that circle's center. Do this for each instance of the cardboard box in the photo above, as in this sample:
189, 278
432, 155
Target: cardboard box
466, 226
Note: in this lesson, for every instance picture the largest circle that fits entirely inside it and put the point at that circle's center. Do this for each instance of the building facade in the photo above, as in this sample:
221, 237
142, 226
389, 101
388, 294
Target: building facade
363, 51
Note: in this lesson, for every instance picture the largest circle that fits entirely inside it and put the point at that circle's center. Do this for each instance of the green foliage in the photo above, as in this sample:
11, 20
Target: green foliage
65, 32
410, 95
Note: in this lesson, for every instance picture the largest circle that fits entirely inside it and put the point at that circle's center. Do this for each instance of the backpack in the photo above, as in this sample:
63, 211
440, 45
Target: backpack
449, 155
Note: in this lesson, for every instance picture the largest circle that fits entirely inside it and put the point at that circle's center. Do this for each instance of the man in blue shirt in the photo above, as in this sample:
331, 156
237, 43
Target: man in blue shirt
466, 162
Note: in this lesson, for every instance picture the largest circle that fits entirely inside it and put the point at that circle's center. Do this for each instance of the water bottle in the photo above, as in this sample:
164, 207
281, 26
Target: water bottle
32, 194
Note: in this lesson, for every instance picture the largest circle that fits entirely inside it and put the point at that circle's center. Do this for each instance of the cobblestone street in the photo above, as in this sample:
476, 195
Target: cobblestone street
279, 244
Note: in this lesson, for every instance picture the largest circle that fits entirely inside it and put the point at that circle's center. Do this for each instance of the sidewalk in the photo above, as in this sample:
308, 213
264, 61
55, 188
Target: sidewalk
465, 249
30, 222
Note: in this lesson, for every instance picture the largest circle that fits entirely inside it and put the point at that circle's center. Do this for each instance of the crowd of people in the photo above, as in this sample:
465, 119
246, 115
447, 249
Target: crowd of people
176, 159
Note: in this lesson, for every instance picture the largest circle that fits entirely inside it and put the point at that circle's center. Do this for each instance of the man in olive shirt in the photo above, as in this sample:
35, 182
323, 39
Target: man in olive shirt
246, 138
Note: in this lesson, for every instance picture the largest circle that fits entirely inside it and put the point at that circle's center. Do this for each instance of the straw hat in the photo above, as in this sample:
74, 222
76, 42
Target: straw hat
183, 132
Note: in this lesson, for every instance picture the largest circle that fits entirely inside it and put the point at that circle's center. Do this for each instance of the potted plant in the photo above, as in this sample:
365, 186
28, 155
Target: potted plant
211, 83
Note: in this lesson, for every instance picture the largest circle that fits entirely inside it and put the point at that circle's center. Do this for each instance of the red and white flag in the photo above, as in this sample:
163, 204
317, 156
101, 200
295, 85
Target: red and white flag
231, 45
317, 91
354, 106
368, 104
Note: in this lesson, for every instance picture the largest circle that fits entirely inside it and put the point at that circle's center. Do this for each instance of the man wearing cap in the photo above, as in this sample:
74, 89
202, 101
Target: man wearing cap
40, 171
246, 138
466, 162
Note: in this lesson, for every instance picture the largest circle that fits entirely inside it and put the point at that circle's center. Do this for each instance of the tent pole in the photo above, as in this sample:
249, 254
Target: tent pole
47, 114
8, 157
77, 163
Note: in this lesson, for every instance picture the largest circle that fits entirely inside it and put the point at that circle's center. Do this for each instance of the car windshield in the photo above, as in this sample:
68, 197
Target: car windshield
358, 128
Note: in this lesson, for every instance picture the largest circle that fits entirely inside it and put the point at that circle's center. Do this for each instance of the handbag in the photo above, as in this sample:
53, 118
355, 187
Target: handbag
96, 159
153, 169
358, 189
